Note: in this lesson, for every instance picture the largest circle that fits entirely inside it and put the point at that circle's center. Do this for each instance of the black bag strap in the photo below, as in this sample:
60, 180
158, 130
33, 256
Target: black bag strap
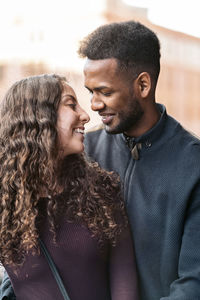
54, 270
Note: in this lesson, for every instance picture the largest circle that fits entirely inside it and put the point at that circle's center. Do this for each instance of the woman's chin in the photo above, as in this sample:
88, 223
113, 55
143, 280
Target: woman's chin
76, 150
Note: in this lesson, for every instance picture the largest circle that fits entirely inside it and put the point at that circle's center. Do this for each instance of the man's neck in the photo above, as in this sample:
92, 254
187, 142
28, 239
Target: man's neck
149, 120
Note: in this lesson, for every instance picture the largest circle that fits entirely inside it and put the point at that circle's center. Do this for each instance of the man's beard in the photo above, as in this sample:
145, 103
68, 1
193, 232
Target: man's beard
128, 119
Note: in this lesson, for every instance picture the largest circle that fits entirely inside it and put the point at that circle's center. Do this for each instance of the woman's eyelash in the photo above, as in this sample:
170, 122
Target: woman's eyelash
72, 105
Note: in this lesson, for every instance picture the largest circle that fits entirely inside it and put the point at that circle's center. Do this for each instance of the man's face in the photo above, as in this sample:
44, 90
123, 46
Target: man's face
113, 96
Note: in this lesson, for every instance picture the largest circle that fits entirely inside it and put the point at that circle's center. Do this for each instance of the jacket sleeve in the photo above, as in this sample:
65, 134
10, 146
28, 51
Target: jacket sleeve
187, 284
123, 277
6, 291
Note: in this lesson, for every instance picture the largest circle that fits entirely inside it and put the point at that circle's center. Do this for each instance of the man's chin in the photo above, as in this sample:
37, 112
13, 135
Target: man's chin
111, 130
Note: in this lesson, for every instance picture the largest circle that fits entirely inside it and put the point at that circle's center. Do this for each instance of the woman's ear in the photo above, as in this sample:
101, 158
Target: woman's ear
143, 82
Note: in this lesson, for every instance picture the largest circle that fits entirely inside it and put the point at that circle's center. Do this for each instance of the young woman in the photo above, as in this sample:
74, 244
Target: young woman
49, 191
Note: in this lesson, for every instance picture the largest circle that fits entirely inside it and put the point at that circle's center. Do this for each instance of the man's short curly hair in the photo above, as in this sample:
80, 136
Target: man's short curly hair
135, 46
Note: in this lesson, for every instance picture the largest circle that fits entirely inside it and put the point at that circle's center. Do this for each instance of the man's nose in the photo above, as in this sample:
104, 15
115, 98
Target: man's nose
96, 103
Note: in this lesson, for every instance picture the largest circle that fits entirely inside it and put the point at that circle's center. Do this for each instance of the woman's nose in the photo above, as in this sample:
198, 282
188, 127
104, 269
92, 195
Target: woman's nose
84, 117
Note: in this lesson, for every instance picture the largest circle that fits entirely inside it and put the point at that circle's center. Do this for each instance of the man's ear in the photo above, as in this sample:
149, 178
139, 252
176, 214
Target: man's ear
143, 82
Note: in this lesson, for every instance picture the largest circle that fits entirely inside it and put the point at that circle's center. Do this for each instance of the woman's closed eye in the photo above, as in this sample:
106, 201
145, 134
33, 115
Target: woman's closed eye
70, 102
72, 105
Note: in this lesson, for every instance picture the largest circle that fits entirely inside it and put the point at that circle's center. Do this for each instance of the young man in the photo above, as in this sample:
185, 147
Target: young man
157, 159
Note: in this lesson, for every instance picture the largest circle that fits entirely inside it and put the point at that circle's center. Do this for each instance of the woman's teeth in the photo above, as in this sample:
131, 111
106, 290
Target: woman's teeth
78, 130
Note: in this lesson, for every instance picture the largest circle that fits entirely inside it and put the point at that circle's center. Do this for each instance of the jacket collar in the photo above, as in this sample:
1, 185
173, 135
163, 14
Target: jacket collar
149, 137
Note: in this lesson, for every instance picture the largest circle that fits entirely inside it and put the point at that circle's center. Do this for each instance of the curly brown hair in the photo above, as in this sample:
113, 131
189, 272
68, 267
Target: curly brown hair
29, 168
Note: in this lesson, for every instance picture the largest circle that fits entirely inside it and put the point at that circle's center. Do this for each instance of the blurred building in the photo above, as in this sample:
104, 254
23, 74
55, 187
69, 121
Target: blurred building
179, 81
50, 45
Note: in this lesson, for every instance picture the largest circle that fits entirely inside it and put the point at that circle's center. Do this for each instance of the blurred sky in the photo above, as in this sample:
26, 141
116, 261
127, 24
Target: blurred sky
46, 30
179, 15
49, 30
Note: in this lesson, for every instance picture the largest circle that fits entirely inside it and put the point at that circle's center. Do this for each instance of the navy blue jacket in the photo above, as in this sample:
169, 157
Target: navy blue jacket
162, 194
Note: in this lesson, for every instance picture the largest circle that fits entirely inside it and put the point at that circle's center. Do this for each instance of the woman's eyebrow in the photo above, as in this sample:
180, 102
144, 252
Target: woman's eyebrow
69, 96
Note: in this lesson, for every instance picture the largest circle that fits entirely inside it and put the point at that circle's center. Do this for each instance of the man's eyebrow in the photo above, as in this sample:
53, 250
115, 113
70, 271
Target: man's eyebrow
99, 88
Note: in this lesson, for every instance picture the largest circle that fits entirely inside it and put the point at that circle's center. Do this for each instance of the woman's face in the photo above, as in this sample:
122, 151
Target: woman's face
70, 123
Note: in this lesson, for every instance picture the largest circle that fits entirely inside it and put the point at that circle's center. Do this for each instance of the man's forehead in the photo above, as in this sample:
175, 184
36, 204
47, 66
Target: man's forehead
100, 64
